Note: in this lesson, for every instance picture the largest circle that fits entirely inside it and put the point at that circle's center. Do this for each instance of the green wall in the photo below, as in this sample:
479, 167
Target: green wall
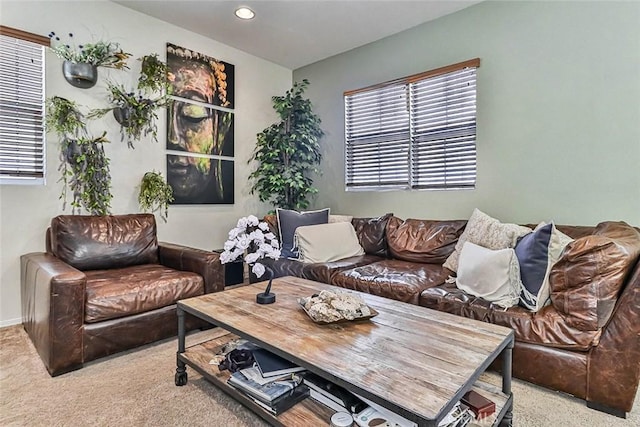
558, 111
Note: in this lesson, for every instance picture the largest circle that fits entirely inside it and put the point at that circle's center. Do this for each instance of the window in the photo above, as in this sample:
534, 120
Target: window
22, 156
416, 132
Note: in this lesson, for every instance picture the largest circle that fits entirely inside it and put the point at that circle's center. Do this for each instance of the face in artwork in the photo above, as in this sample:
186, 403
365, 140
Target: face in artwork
196, 128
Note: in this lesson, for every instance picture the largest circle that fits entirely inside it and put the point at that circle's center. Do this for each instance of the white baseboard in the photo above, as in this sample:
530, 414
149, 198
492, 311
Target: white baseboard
10, 322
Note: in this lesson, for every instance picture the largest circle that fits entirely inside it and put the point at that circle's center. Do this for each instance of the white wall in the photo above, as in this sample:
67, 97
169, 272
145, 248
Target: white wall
25, 211
558, 111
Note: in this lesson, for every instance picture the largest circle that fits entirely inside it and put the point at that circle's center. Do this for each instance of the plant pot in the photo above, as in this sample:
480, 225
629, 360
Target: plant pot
80, 75
71, 150
122, 116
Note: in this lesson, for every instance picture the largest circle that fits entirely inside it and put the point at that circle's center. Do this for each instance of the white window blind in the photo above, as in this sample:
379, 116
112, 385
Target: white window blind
416, 132
377, 132
21, 110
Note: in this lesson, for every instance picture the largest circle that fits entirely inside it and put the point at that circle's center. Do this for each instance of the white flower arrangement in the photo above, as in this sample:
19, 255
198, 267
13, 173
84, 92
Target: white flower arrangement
250, 232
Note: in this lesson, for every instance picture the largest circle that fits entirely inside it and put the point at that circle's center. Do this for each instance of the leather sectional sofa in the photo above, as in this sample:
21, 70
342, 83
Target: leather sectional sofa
582, 343
105, 284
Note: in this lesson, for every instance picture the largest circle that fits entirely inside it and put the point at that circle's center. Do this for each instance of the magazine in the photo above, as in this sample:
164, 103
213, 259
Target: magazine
264, 392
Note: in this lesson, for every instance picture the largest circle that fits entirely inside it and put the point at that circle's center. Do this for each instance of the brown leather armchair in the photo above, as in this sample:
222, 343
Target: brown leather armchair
105, 285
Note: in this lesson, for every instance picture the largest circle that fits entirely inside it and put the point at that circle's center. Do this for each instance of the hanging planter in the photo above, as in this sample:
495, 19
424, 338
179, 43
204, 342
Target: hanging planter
136, 114
71, 150
82, 74
80, 67
123, 116
155, 194
85, 171
84, 167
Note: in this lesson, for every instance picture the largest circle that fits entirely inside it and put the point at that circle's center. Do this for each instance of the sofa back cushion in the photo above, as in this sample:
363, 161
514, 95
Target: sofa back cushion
272, 222
587, 279
90, 242
425, 241
372, 235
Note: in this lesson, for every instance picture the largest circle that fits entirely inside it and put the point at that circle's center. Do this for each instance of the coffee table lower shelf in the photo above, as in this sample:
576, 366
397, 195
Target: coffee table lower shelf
308, 412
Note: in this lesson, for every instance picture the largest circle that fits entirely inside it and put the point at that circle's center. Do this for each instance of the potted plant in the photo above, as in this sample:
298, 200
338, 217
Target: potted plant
153, 74
137, 112
288, 152
80, 66
84, 166
155, 194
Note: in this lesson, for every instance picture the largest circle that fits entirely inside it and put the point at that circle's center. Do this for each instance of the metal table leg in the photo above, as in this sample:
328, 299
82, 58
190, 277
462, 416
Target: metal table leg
507, 420
181, 369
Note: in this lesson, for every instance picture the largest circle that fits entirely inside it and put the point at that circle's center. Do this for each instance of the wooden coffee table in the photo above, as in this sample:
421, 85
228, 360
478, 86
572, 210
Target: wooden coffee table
412, 360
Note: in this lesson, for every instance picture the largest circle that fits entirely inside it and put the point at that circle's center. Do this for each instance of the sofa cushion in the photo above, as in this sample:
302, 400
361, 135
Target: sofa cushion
90, 242
289, 221
486, 231
424, 241
537, 252
319, 272
327, 242
372, 234
547, 327
340, 218
586, 281
490, 275
124, 291
272, 222
395, 279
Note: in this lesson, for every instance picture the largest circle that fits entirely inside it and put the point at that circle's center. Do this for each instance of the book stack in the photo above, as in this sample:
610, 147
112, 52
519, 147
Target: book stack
270, 383
472, 408
272, 365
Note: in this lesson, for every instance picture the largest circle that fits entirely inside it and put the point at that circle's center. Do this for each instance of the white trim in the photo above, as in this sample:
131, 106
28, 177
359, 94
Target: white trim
22, 181
10, 322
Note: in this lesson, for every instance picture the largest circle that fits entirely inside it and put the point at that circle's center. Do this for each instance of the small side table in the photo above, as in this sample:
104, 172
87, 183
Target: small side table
233, 271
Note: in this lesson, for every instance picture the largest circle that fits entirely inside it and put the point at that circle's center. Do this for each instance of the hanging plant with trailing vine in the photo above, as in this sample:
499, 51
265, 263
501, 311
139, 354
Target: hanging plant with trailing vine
155, 194
84, 167
153, 74
137, 113
85, 171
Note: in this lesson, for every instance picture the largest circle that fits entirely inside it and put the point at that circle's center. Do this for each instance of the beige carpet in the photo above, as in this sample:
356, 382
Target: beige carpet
136, 388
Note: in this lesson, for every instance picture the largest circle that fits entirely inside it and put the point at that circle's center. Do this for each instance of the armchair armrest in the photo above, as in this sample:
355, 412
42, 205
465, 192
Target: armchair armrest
53, 296
205, 263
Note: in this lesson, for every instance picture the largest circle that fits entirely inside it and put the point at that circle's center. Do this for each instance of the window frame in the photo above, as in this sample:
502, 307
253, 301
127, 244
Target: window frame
44, 42
353, 134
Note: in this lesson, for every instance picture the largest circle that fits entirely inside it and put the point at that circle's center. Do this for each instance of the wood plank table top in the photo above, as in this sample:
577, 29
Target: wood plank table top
415, 361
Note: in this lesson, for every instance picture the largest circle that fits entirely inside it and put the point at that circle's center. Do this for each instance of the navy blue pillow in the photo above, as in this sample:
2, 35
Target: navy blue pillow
532, 251
289, 220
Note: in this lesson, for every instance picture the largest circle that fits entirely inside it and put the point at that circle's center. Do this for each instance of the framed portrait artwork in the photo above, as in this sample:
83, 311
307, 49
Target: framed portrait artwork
200, 128
200, 180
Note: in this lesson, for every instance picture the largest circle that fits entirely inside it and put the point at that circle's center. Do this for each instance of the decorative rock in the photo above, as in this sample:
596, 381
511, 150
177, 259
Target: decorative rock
331, 306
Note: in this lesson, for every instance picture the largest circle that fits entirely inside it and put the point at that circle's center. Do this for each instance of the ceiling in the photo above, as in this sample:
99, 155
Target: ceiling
297, 33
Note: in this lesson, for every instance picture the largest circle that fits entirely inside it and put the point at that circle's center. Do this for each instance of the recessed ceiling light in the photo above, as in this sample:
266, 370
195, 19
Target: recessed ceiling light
245, 13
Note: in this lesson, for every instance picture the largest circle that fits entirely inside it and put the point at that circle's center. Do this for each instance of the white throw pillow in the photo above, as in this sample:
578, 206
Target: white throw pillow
327, 242
488, 232
493, 275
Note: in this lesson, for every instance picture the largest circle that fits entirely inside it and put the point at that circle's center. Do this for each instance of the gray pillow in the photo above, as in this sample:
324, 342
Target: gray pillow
289, 220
